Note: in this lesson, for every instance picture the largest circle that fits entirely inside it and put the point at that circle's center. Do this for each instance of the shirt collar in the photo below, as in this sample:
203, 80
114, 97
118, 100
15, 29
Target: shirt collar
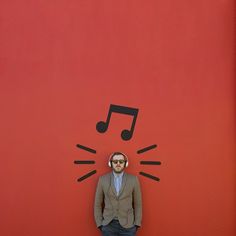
118, 175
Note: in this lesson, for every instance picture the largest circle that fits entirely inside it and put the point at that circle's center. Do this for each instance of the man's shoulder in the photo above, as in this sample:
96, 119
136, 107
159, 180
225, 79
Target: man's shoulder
131, 176
106, 176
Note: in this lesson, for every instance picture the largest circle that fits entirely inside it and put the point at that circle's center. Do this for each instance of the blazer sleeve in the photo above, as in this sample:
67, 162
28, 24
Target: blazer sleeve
137, 203
98, 203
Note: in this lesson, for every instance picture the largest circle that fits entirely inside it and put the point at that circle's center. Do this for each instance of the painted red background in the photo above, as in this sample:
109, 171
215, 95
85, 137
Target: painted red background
64, 62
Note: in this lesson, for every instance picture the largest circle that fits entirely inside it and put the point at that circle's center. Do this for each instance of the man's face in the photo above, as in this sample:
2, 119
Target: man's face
118, 163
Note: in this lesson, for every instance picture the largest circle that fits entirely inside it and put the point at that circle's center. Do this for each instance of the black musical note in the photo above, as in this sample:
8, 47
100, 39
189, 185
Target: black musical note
125, 134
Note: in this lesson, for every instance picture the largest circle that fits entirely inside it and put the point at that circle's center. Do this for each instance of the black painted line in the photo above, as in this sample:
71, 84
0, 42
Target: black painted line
87, 175
149, 176
150, 162
86, 148
146, 149
84, 162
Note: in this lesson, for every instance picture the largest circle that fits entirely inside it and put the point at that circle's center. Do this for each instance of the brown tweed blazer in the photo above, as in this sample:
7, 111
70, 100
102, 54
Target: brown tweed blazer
127, 206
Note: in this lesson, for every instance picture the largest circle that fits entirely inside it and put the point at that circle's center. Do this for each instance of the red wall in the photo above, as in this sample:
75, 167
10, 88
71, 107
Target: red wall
64, 62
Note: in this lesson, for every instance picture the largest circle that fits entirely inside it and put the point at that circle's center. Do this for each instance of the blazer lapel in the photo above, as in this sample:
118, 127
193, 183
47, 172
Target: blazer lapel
124, 179
112, 184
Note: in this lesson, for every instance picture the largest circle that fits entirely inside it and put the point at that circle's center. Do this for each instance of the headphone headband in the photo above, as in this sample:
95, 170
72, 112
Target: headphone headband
118, 153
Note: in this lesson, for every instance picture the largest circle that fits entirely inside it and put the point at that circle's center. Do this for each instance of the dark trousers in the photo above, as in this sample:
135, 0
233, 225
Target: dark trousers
115, 229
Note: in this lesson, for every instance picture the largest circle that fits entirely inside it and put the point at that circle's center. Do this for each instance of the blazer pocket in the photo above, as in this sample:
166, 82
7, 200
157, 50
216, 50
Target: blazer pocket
107, 213
130, 216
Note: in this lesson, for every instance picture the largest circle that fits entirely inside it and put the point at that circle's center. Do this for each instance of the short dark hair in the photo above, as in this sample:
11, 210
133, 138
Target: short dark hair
118, 153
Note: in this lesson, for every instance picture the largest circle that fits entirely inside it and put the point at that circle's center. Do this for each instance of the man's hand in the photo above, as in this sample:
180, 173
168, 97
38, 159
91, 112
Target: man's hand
137, 227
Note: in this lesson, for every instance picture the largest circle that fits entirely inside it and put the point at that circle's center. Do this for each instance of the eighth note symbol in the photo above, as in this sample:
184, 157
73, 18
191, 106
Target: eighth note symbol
125, 134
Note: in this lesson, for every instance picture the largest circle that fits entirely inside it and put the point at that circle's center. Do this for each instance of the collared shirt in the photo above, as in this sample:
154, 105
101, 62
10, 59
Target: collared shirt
118, 181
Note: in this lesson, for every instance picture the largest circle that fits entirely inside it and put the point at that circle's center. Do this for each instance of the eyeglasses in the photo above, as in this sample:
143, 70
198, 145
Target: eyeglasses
116, 161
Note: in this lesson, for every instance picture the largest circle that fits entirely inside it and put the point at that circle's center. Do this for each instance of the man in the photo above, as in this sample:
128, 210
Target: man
118, 202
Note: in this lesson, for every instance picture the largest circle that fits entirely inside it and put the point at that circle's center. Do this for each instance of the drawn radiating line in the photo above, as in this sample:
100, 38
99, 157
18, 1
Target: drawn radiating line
146, 149
150, 162
149, 176
84, 162
87, 175
86, 148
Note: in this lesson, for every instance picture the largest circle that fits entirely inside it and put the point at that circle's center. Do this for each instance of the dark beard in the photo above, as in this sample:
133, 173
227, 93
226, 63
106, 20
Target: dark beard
118, 172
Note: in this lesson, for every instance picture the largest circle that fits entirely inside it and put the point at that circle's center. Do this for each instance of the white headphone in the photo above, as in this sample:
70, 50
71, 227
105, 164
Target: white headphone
118, 153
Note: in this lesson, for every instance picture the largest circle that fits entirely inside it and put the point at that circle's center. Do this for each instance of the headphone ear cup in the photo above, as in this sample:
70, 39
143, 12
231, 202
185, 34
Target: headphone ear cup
109, 163
126, 164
